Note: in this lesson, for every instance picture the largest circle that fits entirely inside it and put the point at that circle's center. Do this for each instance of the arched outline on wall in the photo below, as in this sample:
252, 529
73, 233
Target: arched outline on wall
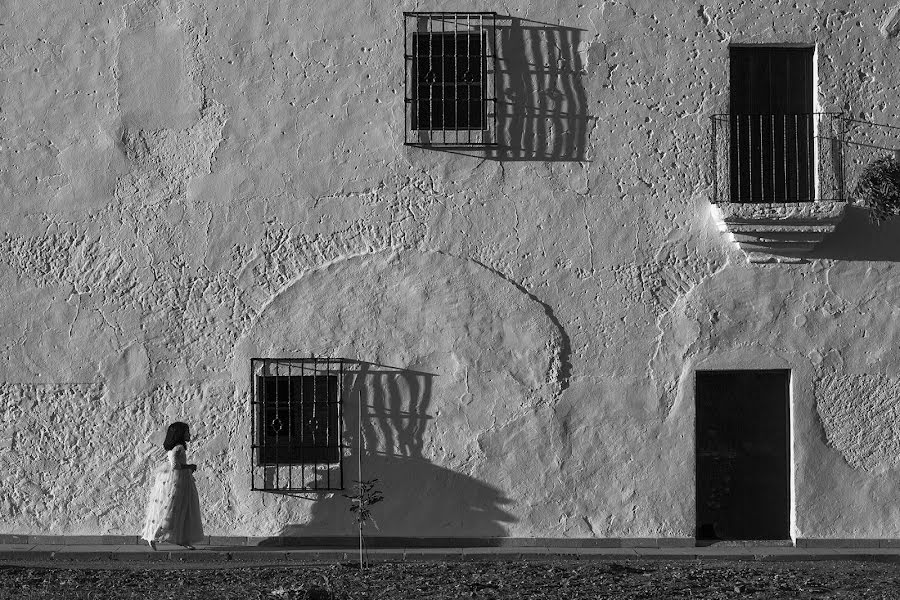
564, 370
803, 417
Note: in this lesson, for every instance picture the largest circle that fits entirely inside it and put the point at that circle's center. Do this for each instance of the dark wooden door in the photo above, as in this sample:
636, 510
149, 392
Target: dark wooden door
772, 124
742, 455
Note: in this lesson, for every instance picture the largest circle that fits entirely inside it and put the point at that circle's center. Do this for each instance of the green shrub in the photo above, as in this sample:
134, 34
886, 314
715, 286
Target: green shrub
878, 188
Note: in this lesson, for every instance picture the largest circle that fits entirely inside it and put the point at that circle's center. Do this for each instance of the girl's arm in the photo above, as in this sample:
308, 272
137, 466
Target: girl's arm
178, 459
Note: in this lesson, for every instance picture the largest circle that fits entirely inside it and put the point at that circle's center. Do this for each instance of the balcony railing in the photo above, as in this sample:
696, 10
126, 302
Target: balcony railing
778, 158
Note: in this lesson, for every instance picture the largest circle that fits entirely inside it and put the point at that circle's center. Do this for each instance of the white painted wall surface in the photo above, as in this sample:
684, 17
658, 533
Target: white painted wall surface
189, 184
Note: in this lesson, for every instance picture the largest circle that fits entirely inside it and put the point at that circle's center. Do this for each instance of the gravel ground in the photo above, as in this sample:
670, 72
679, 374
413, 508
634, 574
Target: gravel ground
489, 580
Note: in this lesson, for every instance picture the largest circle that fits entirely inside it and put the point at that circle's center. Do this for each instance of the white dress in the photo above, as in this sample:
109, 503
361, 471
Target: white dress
173, 512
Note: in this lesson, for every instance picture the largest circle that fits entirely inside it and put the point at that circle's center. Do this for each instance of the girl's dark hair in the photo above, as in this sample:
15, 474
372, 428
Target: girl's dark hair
175, 435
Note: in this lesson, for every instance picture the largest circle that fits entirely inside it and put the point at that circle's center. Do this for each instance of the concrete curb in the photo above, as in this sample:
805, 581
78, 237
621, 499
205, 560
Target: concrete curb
133, 555
345, 542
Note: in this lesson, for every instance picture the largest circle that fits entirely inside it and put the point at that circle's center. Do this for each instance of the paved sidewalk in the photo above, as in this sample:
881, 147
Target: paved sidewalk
237, 556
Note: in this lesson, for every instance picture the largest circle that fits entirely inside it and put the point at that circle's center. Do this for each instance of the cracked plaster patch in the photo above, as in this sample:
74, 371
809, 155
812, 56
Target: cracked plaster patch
165, 160
890, 27
861, 417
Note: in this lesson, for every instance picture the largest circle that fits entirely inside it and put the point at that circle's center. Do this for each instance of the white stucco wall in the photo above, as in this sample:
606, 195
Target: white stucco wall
189, 184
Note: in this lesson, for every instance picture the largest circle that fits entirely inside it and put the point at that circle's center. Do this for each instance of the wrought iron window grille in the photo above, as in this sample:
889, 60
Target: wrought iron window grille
451, 79
778, 158
297, 439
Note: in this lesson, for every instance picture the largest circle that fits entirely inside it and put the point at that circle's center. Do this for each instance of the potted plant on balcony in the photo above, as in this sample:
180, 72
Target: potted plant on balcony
878, 188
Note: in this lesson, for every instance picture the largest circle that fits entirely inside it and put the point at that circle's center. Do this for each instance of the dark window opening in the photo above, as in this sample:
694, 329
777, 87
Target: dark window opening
299, 419
297, 424
450, 79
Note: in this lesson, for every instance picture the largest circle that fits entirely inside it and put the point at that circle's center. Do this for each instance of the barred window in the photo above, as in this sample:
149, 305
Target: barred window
297, 424
450, 79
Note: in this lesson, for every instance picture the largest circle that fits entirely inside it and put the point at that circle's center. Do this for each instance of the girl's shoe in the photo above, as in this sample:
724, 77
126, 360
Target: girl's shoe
188, 546
152, 544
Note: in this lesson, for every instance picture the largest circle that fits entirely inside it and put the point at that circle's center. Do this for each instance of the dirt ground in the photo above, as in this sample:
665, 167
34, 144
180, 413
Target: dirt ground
489, 580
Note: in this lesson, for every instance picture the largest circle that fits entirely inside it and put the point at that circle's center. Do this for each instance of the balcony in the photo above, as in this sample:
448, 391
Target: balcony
778, 181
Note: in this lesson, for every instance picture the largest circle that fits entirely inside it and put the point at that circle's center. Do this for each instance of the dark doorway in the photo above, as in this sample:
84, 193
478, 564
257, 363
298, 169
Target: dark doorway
772, 124
743, 455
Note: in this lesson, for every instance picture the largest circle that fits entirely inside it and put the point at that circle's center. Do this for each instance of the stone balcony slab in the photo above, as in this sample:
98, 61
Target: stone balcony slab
778, 232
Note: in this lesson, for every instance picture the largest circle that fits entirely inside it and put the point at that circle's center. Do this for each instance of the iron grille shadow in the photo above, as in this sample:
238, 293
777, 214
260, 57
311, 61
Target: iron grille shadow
538, 107
421, 497
298, 436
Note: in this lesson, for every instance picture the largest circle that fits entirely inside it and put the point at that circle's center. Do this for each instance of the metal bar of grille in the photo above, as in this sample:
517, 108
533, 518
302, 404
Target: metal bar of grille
291, 427
407, 69
469, 78
340, 422
784, 143
302, 423
772, 140
253, 416
762, 162
328, 419
443, 46
277, 428
482, 69
843, 140
810, 158
493, 138
431, 77
456, 79
712, 159
797, 153
750, 156
264, 425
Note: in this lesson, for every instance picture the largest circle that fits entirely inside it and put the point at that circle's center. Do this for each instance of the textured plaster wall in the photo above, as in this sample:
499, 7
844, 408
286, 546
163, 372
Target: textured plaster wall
188, 184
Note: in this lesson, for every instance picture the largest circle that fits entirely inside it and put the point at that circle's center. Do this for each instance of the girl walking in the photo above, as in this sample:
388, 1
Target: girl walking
173, 512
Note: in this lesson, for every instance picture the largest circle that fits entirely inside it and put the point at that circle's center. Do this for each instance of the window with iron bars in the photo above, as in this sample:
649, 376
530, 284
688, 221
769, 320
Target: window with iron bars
297, 424
450, 79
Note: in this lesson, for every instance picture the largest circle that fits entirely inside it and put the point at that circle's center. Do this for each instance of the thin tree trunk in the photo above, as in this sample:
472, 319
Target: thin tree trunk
359, 435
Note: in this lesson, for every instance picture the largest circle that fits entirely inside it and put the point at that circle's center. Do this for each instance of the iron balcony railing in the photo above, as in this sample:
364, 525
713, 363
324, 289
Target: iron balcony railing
776, 158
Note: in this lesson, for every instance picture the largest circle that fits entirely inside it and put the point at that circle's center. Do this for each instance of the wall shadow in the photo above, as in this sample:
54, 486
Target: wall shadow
857, 238
541, 101
541, 108
421, 499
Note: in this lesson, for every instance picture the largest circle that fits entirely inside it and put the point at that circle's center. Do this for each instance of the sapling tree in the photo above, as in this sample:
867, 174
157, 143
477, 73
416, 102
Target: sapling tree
364, 493
363, 497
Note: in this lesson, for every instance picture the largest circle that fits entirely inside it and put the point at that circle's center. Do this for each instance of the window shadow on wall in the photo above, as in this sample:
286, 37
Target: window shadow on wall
541, 108
541, 101
421, 499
